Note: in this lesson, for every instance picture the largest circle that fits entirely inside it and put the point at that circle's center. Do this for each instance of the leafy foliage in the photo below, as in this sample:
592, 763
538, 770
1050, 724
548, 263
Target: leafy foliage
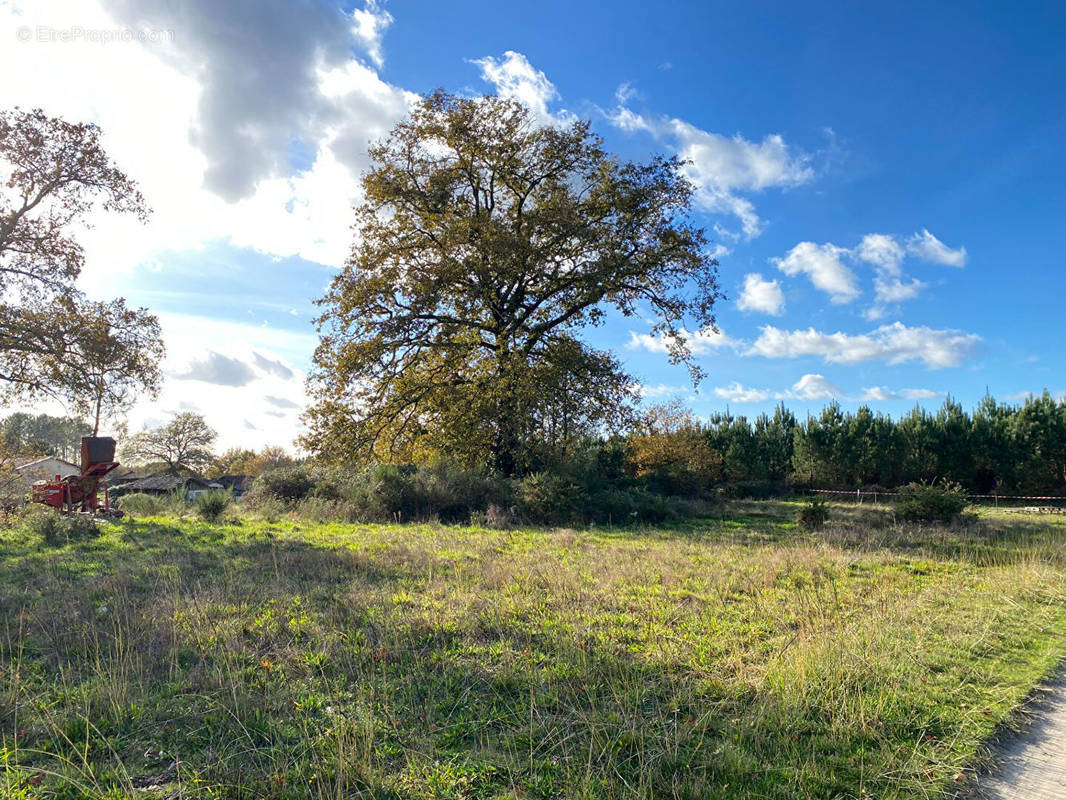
117, 354
44, 434
57, 529
813, 514
241, 461
927, 502
485, 244
57, 174
669, 450
996, 448
212, 504
287, 483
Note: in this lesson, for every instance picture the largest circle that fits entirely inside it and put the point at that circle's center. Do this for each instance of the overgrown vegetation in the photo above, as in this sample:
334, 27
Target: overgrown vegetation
143, 505
735, 658
56, 529
589, 491
211, 505
813, 514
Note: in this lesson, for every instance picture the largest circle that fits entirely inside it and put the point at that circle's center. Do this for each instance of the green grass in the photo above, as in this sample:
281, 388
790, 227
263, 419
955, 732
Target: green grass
734, 657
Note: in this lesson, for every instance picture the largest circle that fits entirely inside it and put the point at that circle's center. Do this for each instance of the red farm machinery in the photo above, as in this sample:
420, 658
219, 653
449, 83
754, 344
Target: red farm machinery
85, 493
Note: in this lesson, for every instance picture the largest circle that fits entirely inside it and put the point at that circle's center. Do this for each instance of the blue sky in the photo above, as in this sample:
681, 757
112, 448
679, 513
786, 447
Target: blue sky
884, 185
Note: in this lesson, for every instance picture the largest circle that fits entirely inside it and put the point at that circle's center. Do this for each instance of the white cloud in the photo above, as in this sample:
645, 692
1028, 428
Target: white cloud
737, 393
760, 294
272, 366
812, 386
699, 343
207, 125
721, 167
514, 77
890, 285
880, 250
368, 26
880, 394
894, 343
647, 392
822, 264
256, 380
893, 290
928, 248
624, 93
921, 394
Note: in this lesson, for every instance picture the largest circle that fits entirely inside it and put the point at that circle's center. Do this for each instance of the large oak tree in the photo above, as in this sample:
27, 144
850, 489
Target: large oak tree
484, 245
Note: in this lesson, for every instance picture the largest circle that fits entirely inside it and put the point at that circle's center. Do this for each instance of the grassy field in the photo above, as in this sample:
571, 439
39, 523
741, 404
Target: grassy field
734, 657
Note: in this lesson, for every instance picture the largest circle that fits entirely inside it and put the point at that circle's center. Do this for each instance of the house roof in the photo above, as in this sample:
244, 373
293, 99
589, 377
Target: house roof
128, 475
39, 461
241, 482
164, 483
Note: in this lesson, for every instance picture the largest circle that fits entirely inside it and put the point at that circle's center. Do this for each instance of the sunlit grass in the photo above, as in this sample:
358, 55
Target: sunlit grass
734, 657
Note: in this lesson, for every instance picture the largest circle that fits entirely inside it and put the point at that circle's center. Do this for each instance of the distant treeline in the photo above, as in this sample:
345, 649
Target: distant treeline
996, 447
42, 434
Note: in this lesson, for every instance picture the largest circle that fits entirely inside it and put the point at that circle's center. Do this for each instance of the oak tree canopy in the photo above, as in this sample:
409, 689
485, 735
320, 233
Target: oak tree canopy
485, 244
54, 176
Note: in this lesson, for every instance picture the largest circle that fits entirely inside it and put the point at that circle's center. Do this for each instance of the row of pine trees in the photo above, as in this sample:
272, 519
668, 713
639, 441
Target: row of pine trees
997, 448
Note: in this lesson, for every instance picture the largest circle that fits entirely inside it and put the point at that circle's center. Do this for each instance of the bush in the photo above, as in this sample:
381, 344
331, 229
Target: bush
142, 505
550, 498
56, 529
288, 484
930, 502
813, 514
211, 504
391, 492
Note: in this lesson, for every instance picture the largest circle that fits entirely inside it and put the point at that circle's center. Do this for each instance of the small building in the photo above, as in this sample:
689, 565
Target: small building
45, 469
237, 484
190, 488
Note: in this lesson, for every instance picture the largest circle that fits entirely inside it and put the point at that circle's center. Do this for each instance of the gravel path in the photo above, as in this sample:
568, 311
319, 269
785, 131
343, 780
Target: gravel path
1032, 764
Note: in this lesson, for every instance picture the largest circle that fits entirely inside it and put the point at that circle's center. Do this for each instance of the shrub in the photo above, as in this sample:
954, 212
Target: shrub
813, 514
142, 505
211, 504
55, 528
930, 502
289, 483
548, 497
388, 492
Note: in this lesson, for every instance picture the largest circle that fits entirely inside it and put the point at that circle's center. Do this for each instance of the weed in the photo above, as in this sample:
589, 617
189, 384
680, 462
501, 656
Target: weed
813, 514
210, 505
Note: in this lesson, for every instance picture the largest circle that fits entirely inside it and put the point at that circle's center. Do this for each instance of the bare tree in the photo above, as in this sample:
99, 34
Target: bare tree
183, 444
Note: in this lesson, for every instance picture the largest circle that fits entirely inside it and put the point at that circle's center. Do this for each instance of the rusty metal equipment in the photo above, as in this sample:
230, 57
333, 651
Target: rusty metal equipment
81, 494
